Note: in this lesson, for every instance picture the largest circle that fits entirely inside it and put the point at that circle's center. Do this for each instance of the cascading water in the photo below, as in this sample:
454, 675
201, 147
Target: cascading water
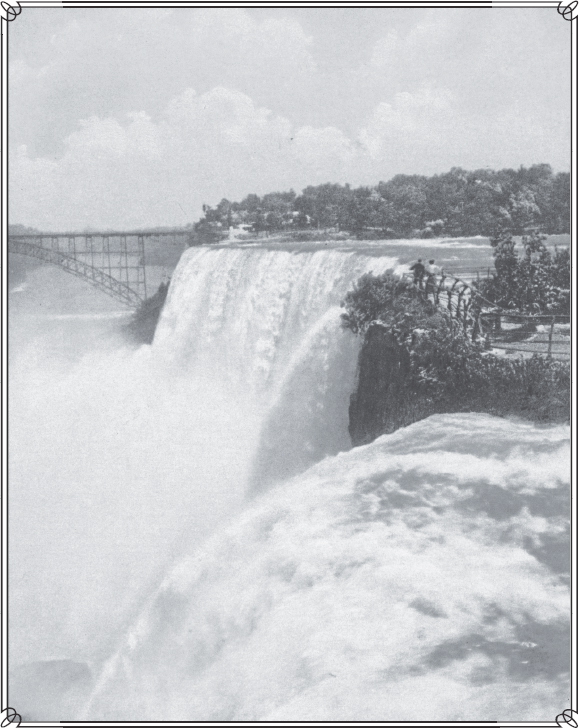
123, 460
266, 324
421, 577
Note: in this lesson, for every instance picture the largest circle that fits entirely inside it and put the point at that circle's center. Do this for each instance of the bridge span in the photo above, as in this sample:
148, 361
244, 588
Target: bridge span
113, 262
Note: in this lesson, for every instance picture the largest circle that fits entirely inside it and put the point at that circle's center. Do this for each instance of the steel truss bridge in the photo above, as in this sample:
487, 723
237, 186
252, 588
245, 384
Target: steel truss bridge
113, 262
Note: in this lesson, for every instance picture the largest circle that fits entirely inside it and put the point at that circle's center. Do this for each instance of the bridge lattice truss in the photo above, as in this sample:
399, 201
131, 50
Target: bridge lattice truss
112, 262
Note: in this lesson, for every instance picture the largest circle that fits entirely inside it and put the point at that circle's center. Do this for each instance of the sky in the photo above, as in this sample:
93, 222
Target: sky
128, 118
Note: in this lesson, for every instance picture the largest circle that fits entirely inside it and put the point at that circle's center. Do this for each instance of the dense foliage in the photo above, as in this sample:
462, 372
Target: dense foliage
445, 370
538, 282
457, 203
451, 373
387, 299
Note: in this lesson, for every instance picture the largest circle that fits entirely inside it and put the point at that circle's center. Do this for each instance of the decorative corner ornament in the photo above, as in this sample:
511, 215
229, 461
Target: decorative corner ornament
10, 11
9, 715
568, 716
568, 9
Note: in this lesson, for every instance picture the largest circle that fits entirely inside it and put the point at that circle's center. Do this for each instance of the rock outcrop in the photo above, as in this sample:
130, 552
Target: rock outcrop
379, 404
144, 323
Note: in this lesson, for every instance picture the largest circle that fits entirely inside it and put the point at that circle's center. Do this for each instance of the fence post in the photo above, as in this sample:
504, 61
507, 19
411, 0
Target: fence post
551, 336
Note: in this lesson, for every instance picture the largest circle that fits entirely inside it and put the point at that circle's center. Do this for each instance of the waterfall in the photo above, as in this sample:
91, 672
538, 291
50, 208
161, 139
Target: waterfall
266, 323
122, 460
192, 537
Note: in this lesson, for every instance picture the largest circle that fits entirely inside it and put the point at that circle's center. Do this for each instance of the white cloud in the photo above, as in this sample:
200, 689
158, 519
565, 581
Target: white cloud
422, 116
135, 172
424, 39
113, 62
274, 106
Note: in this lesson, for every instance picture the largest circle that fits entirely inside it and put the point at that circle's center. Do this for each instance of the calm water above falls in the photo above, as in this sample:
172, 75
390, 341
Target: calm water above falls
124, 461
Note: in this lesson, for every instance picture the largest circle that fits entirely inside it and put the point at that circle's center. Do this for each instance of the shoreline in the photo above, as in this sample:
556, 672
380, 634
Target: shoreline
319, 236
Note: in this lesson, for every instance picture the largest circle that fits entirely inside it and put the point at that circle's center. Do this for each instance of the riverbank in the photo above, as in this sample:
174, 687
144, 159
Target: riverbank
386, 397
417, 360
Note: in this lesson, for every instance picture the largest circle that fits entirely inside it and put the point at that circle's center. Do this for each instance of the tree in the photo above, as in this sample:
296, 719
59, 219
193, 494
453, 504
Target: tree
523, 209
459, 202
538, 282
323, 204
207, 232
278, 208
259, 222
556, 212
387, 299
414, 362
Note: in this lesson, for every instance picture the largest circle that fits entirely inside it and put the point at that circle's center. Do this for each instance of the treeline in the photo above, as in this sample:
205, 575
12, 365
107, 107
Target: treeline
458, 203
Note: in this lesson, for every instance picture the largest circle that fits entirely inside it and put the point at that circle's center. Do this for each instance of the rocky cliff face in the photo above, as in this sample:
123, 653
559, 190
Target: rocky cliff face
386, 397
380, 403
144, 323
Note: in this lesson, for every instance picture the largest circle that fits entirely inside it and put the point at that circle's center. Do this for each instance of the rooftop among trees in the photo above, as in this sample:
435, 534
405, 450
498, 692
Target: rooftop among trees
458, 203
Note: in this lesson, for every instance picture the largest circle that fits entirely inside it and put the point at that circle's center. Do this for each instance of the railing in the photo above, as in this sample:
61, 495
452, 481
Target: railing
450, 293
484, 319
521, 339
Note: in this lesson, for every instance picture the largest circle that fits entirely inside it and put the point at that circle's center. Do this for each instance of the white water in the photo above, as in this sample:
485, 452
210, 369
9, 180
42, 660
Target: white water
265, 325
416, 578
123, 462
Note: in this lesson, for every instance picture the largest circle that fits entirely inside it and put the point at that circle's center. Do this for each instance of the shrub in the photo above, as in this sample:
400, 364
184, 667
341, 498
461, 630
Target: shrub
386, 299
445, 370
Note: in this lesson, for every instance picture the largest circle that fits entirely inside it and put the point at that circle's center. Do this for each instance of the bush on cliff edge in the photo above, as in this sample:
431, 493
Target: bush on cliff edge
444, 370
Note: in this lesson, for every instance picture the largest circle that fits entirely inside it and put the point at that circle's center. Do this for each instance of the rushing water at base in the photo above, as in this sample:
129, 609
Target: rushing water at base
418, 578
123, 462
